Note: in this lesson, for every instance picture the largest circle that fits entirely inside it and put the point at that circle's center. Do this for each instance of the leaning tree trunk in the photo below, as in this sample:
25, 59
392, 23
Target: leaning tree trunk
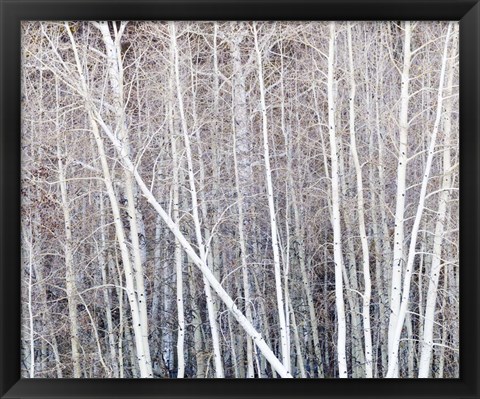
197, 260
142, 358
284, 332
115, 73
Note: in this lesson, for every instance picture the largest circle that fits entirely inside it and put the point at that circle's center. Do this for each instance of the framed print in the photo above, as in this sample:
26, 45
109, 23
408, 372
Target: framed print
240, 198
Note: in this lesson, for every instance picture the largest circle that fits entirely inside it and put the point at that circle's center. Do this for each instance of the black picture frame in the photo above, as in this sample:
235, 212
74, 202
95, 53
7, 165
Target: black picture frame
14, 11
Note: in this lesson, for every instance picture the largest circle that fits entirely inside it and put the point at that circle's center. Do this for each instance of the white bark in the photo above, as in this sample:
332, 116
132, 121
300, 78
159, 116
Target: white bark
71, 288
243, 255
398, 237
176, 216
225, 130
271, 207
196, 219
242, 175
144, 365
28, 240
115, 70
361, 219
393, 360
247, 326
200, 357
178, 267
382, 247
106, 294
337, 233
298, 347
444, 196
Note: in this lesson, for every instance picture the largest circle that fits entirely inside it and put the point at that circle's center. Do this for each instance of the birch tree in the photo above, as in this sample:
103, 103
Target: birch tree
398, 235
361, 218
240, 199
271, 206
444, 196
392, 364
337, 233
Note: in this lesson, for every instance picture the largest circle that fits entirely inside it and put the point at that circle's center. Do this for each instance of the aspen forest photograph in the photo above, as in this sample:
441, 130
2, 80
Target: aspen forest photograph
240, 199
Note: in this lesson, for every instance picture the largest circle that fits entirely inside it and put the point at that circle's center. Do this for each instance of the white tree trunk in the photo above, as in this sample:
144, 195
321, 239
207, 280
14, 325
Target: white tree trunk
196, 219
176, 217
71, 288
382, 246
115, 70
361, 219
398, 235
273, 217
242, 175
28, 240
337, 233
106, 294
178, 267
444, 196
142, 359
144, 365
243, 255
199, 262
393, 360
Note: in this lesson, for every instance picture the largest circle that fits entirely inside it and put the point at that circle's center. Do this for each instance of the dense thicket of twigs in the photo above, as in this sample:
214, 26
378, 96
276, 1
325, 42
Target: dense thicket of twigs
311, 167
